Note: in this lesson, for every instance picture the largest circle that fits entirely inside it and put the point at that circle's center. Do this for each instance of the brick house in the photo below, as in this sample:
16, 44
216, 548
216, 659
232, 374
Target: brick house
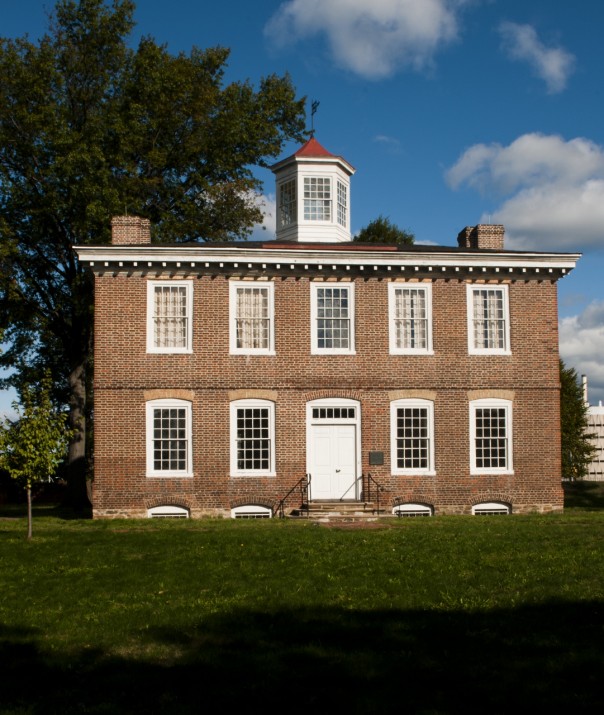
236, 379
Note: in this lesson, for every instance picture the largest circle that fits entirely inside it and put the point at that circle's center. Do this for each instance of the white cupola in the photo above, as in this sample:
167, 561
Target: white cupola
313, 196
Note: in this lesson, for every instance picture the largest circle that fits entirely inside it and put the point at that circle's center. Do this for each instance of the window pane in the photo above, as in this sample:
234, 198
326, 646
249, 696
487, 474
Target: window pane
489, 318
491, 438
253, 439
287, 203
412, 438
411, 318
170, 317
333, 319
170, 439
317, 198
252, 318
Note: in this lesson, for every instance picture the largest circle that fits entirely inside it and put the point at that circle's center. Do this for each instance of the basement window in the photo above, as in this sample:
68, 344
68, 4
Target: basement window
251, 511
491, 508
410, 509
168, 512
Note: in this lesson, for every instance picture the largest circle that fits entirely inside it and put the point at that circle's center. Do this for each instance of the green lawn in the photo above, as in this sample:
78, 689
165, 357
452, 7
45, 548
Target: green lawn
443, 615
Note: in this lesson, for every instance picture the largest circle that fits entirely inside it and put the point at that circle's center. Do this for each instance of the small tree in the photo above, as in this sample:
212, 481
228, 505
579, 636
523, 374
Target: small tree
577, 448
382, 230
35, 444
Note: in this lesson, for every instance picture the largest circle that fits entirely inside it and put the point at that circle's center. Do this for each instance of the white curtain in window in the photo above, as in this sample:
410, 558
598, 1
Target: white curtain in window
489, 322
252, 318
170, 317
411, 321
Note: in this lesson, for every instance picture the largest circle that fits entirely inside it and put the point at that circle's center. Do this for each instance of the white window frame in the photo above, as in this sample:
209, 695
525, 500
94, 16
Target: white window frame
314, 289
151, 286
396, 349
250, 404
234, 287
168, 511
473, 349
412, 509
314, 200
288, 203
491, 508
251, 511
428, 405
342, 203
168, 403
491, 403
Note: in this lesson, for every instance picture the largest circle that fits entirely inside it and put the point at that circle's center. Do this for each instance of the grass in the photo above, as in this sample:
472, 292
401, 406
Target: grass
444, 615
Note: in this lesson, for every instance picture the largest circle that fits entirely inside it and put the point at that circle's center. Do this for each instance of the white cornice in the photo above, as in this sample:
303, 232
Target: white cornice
205, 256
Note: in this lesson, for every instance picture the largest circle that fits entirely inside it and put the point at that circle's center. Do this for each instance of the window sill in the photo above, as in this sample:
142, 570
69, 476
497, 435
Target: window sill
414, 473
319, 351
170, 475
475, 351
169, 351
411, 351
491, 472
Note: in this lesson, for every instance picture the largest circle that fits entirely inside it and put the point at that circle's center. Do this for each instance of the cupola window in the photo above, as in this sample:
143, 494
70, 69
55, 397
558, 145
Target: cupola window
317, 198
287, 203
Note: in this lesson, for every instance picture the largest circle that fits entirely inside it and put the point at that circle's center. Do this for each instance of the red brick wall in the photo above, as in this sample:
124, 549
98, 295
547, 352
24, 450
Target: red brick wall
124, 371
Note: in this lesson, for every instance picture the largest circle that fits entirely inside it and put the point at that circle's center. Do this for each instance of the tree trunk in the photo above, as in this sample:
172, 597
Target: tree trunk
29, 514
77, 492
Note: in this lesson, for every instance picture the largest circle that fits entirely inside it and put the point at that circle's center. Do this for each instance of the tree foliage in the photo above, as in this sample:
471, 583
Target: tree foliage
577, 447
91, 128
33, 446
382, 230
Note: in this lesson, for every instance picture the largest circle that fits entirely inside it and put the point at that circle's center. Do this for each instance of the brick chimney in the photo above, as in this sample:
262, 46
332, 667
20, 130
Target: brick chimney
484, 235
130, 230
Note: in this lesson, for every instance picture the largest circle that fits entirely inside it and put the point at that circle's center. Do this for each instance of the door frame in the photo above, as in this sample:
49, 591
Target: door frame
355, 421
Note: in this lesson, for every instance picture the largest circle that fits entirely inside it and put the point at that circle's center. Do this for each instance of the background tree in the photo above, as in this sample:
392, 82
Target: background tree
577, 447
382, 230
91, 128
34, 445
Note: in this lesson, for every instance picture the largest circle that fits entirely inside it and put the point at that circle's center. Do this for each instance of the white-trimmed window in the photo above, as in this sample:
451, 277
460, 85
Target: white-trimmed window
251, 511
252, 317
317, 198
252, 438
488, 320
168, 511
342, 203
332, 315
411, 509
410, 311
288, 214
169, 452
491, 508
412, 436
169, 316
491, 436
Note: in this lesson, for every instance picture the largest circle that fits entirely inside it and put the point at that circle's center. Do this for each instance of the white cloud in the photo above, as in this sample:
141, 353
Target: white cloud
551, 190
553, 65
265, 231
372, 39
582, 346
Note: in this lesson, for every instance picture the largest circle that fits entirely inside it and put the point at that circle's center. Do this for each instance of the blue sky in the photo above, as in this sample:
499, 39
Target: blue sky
453, 112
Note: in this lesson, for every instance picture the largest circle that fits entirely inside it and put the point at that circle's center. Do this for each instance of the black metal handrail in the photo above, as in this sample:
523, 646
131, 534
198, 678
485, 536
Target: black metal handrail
303, 484
378, 488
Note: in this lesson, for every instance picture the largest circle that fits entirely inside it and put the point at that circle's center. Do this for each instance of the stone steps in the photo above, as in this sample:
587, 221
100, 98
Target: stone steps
342, 511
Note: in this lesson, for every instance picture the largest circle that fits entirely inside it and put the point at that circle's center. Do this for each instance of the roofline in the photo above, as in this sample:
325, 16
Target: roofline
196, 256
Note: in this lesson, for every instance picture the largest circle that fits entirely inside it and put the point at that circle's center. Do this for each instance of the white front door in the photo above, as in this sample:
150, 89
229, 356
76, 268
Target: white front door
333, 461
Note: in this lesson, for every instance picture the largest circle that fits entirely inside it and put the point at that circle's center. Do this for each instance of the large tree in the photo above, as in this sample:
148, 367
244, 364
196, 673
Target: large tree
90, 128
382, 230
577, 446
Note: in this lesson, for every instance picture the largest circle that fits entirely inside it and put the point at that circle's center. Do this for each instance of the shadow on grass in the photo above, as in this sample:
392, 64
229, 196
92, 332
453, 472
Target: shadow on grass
584, 495
546, 657
57, 511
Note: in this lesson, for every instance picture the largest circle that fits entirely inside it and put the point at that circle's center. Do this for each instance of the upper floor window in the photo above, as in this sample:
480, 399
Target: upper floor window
491, 436
287, 203
412, 436
252, 317
410, 310
342, 203
332, 311
252, 438
488, 319
169, 316
169, 438
317, 198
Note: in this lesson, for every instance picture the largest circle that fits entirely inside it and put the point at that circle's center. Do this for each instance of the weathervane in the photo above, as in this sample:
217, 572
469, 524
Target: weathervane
313, 110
